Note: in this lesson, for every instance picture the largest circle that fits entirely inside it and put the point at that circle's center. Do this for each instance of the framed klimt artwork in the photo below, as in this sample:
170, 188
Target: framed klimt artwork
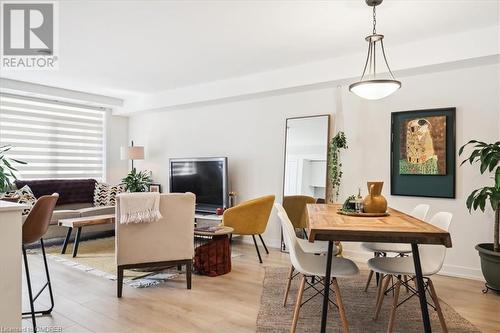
423, 153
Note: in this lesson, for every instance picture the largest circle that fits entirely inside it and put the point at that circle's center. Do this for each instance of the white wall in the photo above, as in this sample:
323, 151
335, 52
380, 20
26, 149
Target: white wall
251, 134
474, 92
116, 136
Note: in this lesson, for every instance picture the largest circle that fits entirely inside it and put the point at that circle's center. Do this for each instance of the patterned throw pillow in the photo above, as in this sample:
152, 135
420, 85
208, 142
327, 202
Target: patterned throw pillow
101, 194
26, 197
114, 190
105, 194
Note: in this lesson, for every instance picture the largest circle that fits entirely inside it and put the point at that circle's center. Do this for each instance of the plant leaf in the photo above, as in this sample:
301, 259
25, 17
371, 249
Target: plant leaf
475, 204
470, 199
18, 161
497, 178
494, 161
482, 202
483, 167
474, 154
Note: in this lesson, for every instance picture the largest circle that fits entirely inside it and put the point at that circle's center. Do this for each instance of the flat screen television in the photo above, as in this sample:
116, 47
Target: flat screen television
205, 177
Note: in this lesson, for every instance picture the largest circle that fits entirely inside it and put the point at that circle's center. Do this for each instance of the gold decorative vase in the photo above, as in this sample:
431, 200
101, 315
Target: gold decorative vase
375, 202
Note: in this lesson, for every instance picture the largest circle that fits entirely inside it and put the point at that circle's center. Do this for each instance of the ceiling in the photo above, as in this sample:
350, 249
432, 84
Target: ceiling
120, 48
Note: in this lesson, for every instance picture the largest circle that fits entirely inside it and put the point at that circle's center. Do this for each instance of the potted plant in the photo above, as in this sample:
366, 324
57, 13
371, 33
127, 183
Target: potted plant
338, 142
137, 181
7, 169
488, 158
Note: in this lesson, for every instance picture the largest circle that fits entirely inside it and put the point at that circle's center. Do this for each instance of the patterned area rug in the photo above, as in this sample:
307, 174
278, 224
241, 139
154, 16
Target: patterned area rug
97, 257
360, 306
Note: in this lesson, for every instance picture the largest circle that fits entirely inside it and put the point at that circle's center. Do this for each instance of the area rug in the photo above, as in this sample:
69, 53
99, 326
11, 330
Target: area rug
273, 317
97, 257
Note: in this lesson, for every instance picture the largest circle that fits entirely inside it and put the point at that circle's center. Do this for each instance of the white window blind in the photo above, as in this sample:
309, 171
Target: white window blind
56, 139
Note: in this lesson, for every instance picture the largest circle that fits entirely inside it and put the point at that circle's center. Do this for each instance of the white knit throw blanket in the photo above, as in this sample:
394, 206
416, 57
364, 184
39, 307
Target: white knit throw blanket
139, 207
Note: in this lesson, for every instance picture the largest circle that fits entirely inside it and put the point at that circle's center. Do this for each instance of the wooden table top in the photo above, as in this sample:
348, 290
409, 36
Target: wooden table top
325, 223
87, 220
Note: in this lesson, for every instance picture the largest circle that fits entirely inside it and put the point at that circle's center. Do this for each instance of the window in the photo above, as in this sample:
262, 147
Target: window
56, 139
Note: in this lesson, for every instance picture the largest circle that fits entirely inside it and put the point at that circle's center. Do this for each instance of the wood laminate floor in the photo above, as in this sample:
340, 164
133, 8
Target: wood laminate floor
229, 303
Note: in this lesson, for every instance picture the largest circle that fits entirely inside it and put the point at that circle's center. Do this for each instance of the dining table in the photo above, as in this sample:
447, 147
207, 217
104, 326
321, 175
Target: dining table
326, 223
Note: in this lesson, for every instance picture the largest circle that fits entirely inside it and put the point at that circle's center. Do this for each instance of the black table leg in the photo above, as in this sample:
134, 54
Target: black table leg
77, 241
421, 290
326, 291
66, 240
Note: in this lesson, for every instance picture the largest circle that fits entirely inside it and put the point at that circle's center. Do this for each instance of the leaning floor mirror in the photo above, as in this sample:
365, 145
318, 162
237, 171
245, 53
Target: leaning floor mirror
305, 167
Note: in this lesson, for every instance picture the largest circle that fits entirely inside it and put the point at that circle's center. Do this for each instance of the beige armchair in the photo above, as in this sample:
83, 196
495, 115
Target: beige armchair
166, 242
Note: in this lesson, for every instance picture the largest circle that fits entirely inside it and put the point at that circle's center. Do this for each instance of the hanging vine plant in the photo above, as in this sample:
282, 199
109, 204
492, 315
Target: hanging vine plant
337, 143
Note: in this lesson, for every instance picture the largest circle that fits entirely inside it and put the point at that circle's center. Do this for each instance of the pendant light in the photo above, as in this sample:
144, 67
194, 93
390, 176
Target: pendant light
369, 86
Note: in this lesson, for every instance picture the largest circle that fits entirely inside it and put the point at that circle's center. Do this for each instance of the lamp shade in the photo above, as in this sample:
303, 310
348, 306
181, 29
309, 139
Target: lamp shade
132, 153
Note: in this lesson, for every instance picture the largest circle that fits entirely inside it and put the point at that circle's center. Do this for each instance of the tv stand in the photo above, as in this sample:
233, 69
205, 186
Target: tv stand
205, 209
204, 216
207, 219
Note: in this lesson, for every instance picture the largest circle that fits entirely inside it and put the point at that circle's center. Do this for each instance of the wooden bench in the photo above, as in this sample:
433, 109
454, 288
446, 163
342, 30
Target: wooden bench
79, 223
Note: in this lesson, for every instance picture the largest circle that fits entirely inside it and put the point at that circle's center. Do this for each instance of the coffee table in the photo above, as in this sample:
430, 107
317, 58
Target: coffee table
79, 223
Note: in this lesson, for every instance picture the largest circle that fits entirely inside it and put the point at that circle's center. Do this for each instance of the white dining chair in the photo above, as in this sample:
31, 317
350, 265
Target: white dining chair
317, 248
311, 265
382, 249
431, 258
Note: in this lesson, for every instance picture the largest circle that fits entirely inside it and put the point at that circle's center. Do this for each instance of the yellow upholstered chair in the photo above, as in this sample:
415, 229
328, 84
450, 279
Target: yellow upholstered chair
295, 208
250, 218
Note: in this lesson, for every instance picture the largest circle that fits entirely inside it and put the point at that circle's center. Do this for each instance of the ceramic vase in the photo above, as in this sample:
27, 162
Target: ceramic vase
375, 202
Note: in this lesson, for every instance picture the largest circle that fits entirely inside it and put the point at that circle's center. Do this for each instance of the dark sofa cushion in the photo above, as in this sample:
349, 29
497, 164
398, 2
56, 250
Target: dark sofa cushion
70, 190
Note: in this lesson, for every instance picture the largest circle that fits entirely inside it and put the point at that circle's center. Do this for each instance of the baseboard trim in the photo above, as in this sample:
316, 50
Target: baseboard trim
447, 270
462, 272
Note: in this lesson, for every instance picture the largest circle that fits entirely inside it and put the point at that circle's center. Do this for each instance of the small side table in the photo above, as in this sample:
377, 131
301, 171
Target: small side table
213, 252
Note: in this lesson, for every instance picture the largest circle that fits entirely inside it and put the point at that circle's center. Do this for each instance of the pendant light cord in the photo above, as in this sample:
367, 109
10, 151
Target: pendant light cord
374, 20
371, 62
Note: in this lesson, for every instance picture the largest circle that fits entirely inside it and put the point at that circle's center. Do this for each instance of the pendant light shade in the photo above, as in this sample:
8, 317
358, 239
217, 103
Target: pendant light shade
370, 86
375, 89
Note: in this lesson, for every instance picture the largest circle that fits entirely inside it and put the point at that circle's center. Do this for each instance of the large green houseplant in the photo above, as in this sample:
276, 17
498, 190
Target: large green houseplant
487, 156
7, 169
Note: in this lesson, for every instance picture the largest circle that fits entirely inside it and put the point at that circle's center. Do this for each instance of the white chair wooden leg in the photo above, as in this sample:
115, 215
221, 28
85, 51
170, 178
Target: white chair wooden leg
370, 276
340, 304
384, 283
405, 279
395, 299
288, 283
296, 311
438, 306
379, 288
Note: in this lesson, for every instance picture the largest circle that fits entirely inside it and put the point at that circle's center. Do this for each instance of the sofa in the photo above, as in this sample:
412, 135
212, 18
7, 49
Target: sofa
76, 199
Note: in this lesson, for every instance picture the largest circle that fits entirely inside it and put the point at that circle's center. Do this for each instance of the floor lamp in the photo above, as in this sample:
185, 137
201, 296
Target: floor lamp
132, 153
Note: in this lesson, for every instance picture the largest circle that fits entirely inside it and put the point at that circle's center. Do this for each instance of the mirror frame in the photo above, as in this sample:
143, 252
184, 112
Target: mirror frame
328, 117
